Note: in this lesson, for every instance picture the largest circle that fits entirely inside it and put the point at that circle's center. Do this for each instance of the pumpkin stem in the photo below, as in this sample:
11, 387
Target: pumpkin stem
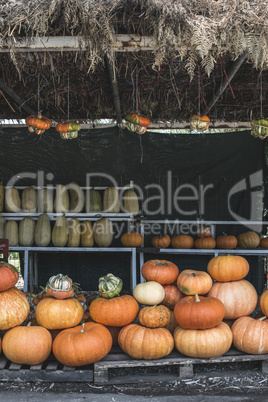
194, 274
83, 327
262, 318
161, 263
196, 297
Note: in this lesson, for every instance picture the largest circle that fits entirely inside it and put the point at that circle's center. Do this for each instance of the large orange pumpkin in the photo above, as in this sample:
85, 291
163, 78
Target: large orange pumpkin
193, 312
226, 242
59, 314
154, 316
115, 312
239, 297
161, 271
82, 345
190, 282
205, 243
14, 308
161, 241
203, 343
145, 343
182, 241
172, 296
27, 345
226, 268
250, 335
8, 276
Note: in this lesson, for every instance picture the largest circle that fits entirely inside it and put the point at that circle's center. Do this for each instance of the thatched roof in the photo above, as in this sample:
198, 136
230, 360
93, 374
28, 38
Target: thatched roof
195, 43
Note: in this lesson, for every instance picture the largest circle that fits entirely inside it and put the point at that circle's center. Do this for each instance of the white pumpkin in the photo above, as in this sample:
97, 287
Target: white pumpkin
149, 293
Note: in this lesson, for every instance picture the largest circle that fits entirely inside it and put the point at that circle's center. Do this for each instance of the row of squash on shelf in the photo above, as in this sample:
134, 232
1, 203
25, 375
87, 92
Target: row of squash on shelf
165, 311
68, 198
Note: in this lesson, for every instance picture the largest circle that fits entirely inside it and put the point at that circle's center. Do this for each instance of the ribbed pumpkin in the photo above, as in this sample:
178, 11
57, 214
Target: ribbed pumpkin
250, 335
131, 202
161, 271
59, 314
205, 243
93, 201
239, 297
197, 312
145, 343
2, 227
264, 242
62, 199
150, 293
2, 197
60, 286
87, 238
226, 242
172, 296
12, 200
103, 232
45, 200
191, 281
74, 233
154, 316
60, 232
12, 233
42, 234
132, 239
182, 241
226, 268
161, 241
248, 240
29, 200
14, 308
26, 232
77, 198
203, 343
115, 312
8, 276
111, 203
28, 345
82, 345
110, 286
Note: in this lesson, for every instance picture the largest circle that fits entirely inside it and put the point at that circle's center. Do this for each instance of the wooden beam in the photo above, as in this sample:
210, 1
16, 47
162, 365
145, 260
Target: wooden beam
16, 98
122, 43
114, 85
232, 70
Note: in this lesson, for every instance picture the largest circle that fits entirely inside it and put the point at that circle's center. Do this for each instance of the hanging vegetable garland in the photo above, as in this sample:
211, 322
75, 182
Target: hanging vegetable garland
68, 131
38, 124
137, 123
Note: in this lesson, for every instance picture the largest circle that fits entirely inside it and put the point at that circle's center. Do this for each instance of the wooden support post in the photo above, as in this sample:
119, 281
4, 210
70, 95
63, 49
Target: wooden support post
16, 98
230, 74
115, 90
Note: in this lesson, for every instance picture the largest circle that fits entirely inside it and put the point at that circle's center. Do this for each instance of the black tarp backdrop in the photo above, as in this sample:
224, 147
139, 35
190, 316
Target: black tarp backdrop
154, 161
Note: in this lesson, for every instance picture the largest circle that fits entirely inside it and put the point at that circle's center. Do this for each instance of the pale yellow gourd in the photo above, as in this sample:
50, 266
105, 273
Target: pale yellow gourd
45, 200
60, 232
131, 202
93, 201
77, 198
12, 200
2, 197
26, 232
74, 233
2, 227
29, 200
42, 235
111, 203
103, 232
62, 199
87, 239
12, 233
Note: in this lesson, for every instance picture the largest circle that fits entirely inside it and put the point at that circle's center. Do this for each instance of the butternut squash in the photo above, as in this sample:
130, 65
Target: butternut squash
60, 232
26, 232
2, 227
77, 198
93, 201
103, 232
29, 200
62, 199
131, 202
87, 239
111, 203
12, 200
74, 233
42, 234
2, 197
12, 233
45, 200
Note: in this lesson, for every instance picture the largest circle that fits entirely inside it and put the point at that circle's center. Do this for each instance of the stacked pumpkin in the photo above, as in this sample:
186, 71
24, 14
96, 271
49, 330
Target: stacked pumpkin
20, 344
201, 332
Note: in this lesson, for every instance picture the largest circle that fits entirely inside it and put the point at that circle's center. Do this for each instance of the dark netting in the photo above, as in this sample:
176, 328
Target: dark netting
229, 167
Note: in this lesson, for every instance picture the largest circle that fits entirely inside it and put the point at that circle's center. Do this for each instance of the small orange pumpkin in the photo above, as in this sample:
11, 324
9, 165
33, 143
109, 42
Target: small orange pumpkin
67, 127
205, 243
264, 242
161, 241
172, 296
38, 122
191, 281
154, 316
138, 119
132, 239
161, 271
226, 242
182, 241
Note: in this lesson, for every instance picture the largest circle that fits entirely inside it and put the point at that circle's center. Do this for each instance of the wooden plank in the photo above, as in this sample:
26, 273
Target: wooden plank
3, 362
58, 376
187, 371
36, 367
52, 366
14, 367
68, 368
264, 366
